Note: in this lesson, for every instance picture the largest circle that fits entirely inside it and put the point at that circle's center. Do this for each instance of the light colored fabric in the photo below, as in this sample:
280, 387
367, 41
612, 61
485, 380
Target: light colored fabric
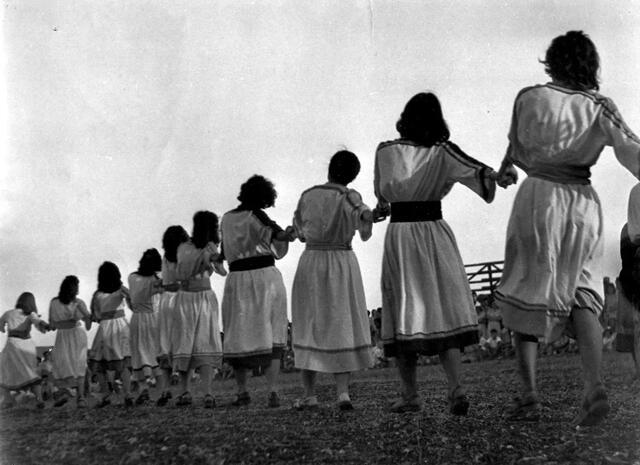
166, 308
112, 340
330, 326
195, 332
554, 238
633, 215
194, 265
69, 357
426, 297
18, 362
254, 304
144, 324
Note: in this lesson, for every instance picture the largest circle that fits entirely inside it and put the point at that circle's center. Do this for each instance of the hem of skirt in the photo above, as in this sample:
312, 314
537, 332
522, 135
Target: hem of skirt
431, 346
332, 351
254, 360
343, 362
25, 385
146, 365
194, 361
164, 362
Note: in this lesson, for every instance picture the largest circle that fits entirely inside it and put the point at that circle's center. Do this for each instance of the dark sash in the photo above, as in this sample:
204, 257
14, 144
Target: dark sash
252, 263
411, 212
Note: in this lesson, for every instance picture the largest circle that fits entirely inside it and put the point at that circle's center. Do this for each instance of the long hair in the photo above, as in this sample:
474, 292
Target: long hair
150, 263
205, 229
68, 289
422, 120
344, 167
573, 59
27, 303
171, 239
109, 278
257, 193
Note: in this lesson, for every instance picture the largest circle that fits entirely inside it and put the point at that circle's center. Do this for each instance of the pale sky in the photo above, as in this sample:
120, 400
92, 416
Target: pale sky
121, 118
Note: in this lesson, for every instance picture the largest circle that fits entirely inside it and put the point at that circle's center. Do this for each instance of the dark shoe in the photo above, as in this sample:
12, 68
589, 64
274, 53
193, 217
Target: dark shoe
525, 408
594, 408
405, 405
143, 398
39, 404
184, 399
308, 403
128, 401
209, 401
274, 400
345, 405
241, 399
63, 398
163, 399
458, 402
81, 403
104, 402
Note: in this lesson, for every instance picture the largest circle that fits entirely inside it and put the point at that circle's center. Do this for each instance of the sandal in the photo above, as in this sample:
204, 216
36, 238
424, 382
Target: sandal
595, 407
526, 408
209, 401
241, 399
405, 405
62, 399
184, 399
308, 403
344, 402
163, 399
458, 402
274, 400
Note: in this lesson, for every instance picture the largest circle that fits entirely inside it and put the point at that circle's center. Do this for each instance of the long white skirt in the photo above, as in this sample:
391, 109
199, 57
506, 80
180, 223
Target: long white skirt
254, 315
329, 314
144, 340
195, 331
69, 356
427, 305
554, 245
112, 341
18, 364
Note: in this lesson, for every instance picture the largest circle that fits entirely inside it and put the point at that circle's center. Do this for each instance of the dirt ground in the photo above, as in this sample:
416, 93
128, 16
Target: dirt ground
370, 434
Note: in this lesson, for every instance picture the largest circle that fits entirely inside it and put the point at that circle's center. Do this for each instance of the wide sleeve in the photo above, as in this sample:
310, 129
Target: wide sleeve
468, 171
633, 215
53, 313
297, 220
376, 179
81, 311
626, 145
37, 321
3, 321
278, 248
95, 307
357, 206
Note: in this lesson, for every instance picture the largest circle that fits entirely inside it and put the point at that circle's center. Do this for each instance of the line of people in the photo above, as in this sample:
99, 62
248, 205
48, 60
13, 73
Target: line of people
554, 244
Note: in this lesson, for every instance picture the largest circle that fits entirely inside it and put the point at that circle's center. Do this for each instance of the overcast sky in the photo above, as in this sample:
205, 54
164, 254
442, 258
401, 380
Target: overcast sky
121, 118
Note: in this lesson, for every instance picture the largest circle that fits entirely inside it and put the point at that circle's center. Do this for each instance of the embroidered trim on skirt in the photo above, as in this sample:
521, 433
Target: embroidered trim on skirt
431, 344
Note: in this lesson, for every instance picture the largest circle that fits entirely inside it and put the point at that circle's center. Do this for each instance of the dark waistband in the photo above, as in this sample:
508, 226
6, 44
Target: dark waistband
561, 174
252, 263
328, 247
112, 315
65, 324
409, 212
19, 334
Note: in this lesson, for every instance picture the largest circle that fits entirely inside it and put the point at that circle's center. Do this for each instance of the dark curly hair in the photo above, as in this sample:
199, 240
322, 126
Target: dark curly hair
68, 289
205, 229
27, 303
150, 263
422, 121
343, 167
257, 193
109, 278
171, 239
573, 60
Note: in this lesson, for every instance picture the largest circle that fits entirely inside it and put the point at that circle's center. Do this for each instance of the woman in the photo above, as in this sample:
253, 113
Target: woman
555, 232
66, 313
427, 307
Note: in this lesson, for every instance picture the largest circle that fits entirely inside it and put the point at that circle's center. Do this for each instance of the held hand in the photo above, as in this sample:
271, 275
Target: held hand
218, 267
381, 212
507, 176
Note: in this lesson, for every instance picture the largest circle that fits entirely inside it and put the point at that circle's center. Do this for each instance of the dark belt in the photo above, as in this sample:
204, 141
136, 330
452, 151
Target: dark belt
65, 324
252, 263
328, 247
19, 334
410, 212
112, 315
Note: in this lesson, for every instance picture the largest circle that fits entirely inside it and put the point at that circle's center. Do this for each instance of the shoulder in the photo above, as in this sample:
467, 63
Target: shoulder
452, 150
530, 90
262, 217
354, 198
397, 144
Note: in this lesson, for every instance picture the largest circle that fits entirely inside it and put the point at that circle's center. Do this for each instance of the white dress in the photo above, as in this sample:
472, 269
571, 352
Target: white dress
330, 326
69, 356
195, 331
555, 233
144, 323
112, 340
254, 304
166, 307
18, 361
427, 305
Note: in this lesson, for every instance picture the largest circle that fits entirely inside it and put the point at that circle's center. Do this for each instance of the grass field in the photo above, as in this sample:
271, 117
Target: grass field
370, 434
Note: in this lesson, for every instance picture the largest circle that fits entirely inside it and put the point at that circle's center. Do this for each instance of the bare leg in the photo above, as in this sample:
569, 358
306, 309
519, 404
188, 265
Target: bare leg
185, 378
342, 384
240, 375
272, 375
526, 355
408, 376
589, 334
450, 360
309, 382
80, 387
636, 342
125, 375
206, 374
